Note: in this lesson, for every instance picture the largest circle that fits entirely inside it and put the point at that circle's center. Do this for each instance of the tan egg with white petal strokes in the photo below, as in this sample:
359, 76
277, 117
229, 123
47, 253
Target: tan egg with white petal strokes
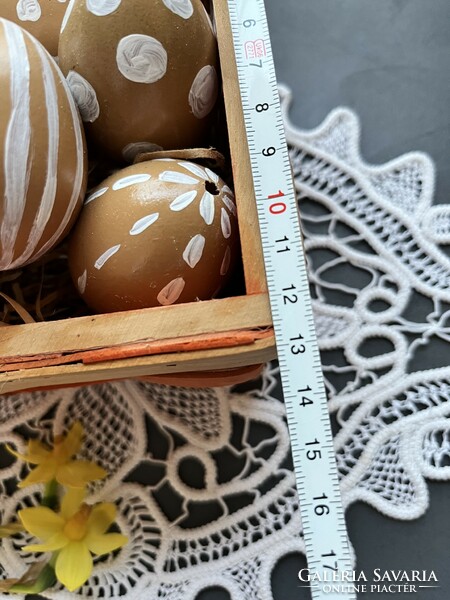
42, 150
42, 18
144, 73
154, 234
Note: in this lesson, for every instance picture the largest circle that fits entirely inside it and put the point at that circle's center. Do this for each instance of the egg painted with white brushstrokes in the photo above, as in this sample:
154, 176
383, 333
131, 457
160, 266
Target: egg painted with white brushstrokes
154, 234
144, 72
41, 18
42, 150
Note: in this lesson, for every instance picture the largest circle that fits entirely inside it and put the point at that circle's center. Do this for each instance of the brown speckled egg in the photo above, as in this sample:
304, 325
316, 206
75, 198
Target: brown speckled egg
42, 18
155, 233
144, 73
42, 150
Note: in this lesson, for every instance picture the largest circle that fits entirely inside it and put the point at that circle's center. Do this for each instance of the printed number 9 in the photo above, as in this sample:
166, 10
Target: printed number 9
249, 23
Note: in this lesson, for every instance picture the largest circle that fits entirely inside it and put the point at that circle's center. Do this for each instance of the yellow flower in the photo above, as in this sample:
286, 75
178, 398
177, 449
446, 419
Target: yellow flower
58, 463
74, 533
10, 529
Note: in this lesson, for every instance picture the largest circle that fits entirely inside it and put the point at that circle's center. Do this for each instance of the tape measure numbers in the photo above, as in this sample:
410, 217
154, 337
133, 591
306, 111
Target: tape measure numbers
313, 453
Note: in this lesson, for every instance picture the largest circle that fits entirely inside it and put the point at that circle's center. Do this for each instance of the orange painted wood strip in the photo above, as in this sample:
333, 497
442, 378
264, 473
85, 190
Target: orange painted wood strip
144, 366
201, 342
186, 344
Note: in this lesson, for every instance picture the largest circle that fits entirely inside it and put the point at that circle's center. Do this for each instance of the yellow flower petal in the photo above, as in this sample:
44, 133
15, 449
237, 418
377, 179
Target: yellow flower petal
41, 474
74, 565
37, 452
78, 473
10, 529
41, 522
106, 543
101, 518
56, 542
23, 457
71, 444
71, 502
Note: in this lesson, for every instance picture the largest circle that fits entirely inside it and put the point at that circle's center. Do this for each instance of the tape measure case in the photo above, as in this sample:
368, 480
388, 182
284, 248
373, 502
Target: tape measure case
216, 342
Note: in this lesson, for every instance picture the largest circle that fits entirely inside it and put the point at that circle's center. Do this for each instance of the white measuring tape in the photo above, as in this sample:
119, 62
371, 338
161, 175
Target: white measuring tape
324, 529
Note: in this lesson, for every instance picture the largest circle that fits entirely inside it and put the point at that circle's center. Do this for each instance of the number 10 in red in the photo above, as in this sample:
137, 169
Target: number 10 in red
277, 208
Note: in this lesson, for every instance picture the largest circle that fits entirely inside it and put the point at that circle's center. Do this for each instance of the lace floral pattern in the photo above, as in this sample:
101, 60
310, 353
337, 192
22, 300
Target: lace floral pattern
202, 478
384, 277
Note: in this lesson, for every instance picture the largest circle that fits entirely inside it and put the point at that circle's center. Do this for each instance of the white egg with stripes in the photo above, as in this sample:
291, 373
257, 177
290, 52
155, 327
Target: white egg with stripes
43, 156
157, 233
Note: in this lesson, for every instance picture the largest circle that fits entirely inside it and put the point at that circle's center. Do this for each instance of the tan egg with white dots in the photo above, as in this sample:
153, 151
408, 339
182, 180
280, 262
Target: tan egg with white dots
41, 18
144, 72
154, 234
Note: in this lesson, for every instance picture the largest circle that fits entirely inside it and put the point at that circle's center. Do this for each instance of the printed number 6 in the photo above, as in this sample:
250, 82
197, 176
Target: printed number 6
269, 151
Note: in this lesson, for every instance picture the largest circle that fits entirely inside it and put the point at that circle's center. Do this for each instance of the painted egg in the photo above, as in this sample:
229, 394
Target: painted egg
155, 233
42, 151
42, 18
144, 73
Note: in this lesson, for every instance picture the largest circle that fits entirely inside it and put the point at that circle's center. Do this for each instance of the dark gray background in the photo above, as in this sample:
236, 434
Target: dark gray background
388, 60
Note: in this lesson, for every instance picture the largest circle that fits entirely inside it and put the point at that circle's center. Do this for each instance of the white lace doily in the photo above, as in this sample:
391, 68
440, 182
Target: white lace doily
202, 478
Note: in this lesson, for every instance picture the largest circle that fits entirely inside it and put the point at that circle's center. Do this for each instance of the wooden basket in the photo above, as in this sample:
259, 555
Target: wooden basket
216, 342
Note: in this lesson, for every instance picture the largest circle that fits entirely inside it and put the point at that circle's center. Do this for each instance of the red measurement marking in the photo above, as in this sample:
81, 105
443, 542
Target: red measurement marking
277, 208
279, 195
255, 49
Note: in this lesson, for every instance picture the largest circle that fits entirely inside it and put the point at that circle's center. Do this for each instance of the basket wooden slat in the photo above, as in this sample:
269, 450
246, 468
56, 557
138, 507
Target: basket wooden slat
252, 256
42, 355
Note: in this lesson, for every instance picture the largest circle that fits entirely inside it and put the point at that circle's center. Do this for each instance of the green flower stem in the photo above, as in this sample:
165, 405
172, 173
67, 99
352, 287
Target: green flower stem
50, 497
45, 580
